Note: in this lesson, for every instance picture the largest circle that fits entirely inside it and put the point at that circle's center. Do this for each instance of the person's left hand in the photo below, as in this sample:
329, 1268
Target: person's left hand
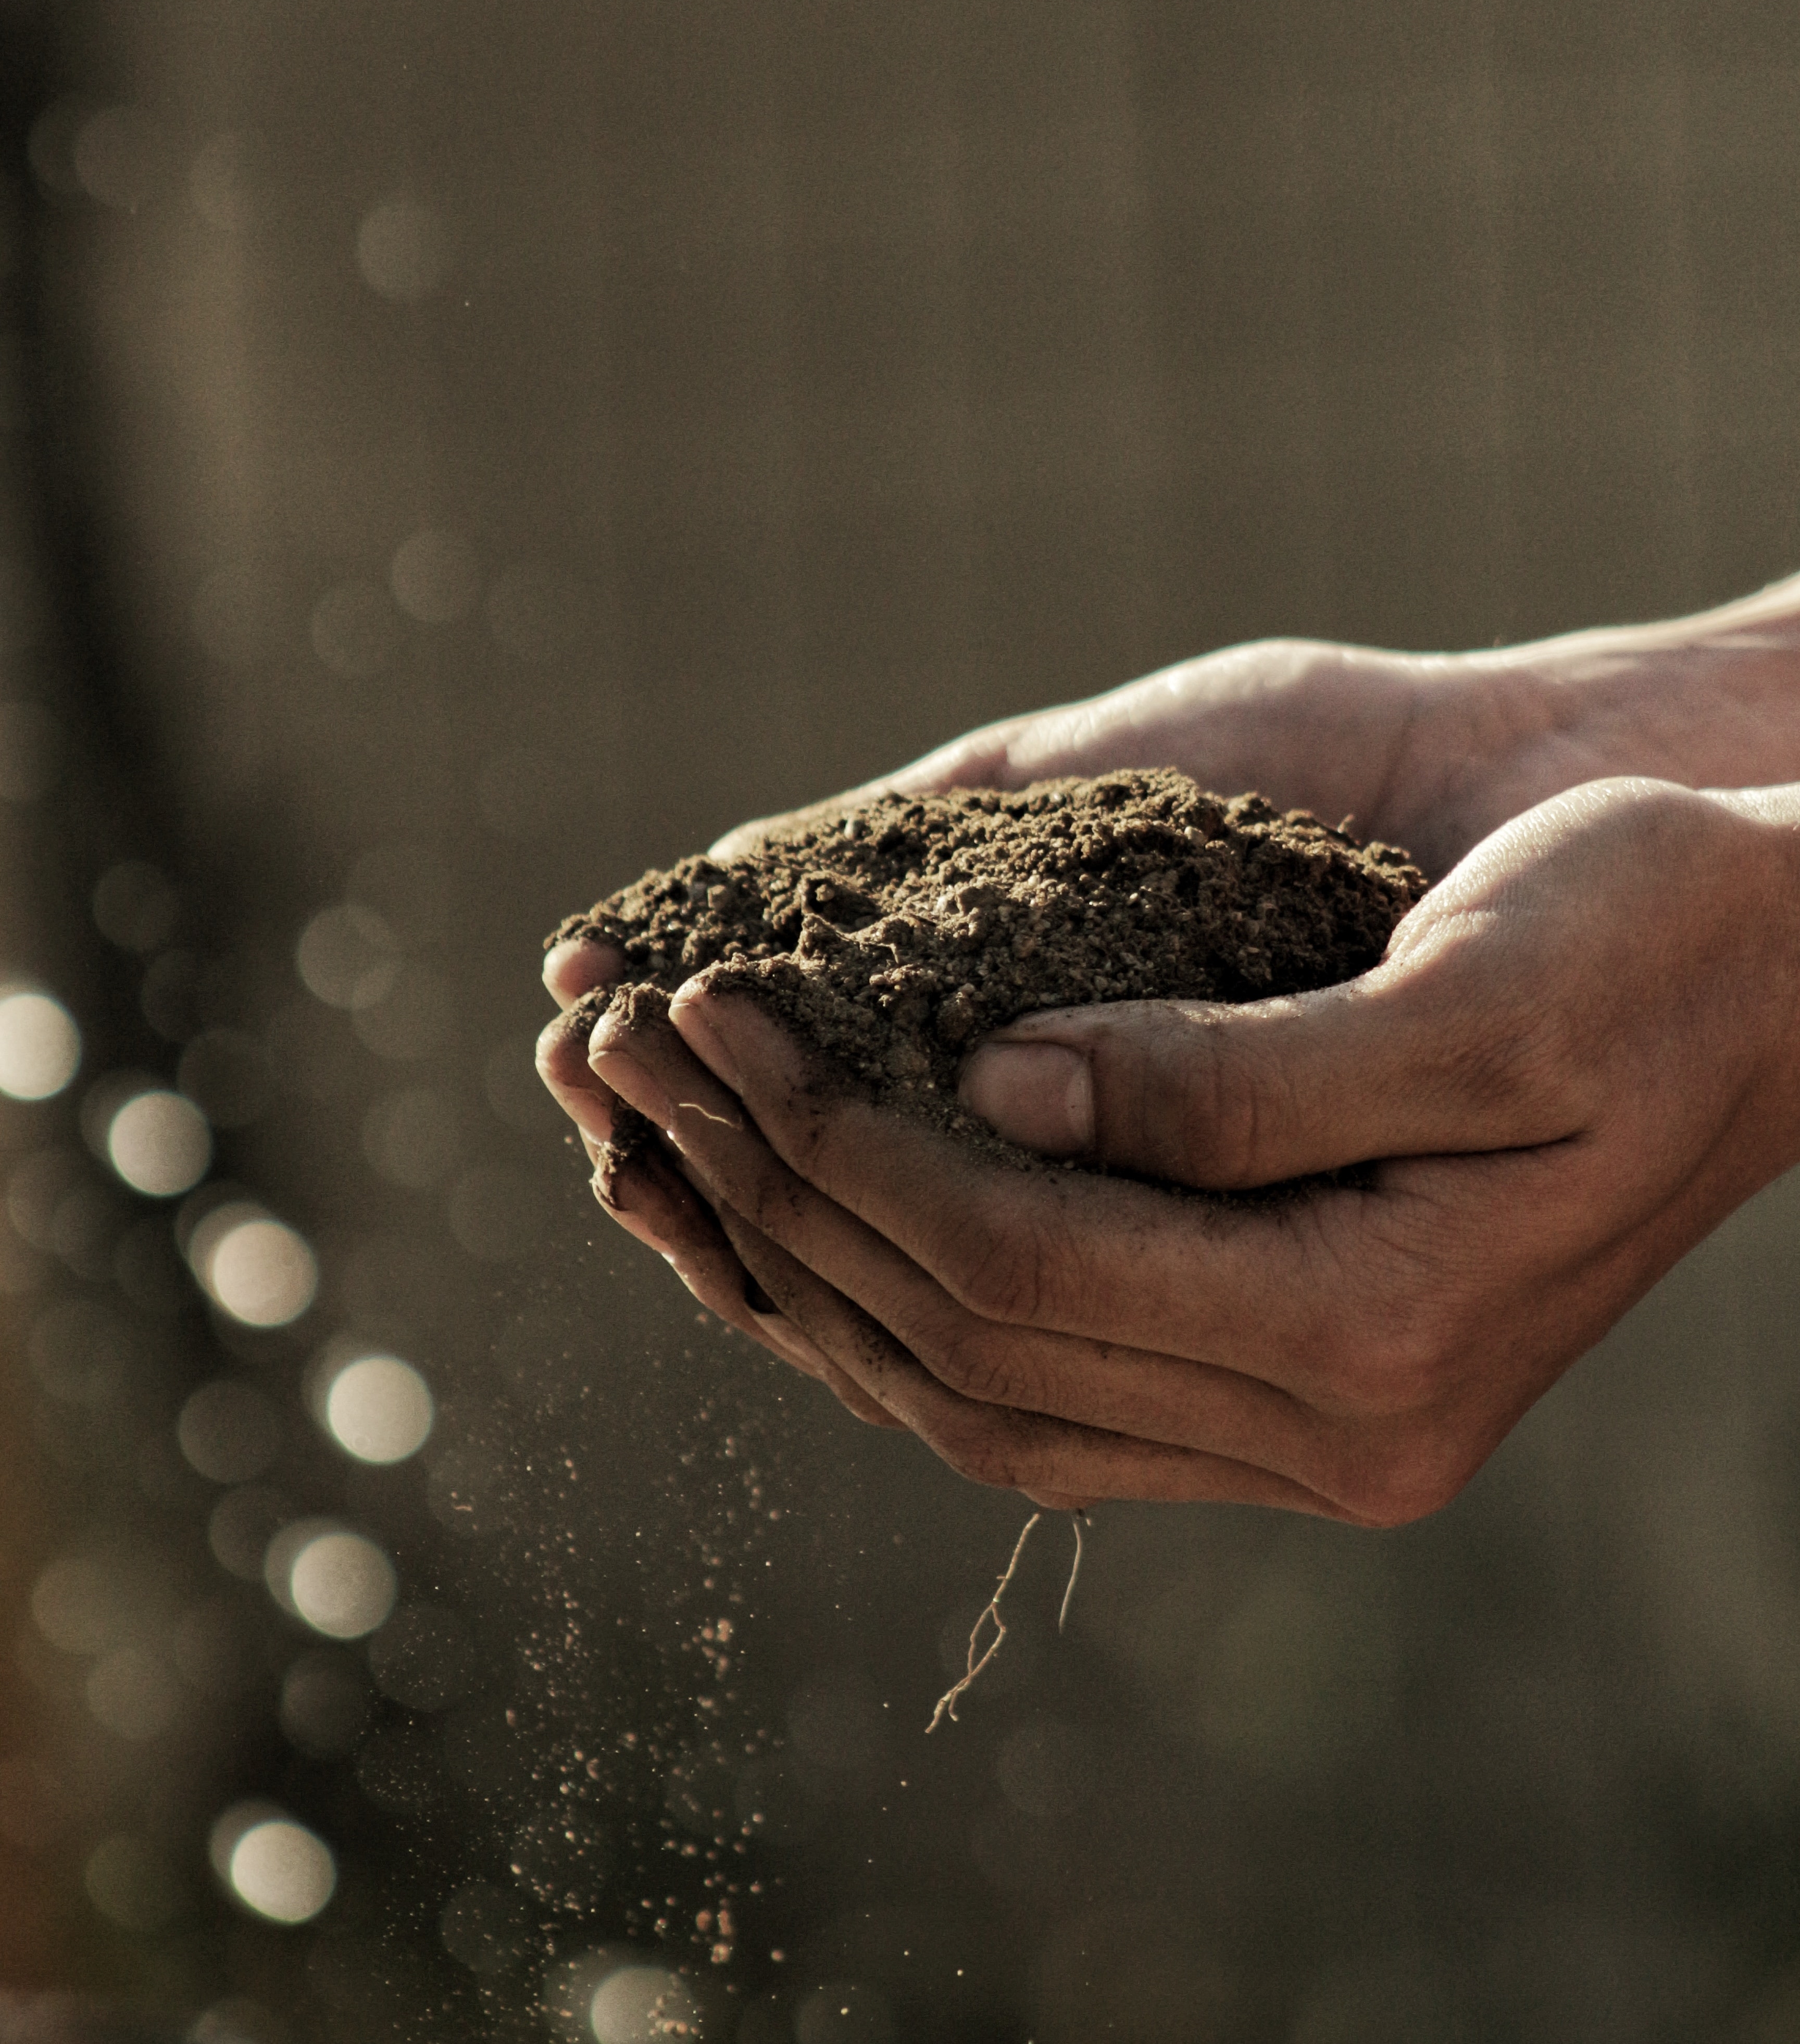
1573, 1063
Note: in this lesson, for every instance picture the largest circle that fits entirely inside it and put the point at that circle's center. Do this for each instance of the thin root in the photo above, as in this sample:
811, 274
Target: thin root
724, 1120
947, 1702
1076, 1519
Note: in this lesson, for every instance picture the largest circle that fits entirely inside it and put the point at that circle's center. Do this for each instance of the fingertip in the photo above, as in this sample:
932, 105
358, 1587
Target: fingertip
735, 1036
577, 965
697, 1021
856, 1401
625, 1076
563, 1065
634, 1225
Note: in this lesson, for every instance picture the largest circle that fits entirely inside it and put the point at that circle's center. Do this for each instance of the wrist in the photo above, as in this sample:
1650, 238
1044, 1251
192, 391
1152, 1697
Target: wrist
1765, 900
1711, 700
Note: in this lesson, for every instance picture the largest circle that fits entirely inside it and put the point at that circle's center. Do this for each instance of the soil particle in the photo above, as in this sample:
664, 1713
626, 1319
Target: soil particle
893, 936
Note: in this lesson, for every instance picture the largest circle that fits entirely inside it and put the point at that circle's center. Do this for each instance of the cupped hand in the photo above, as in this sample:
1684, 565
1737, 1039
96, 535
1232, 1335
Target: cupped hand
1314, 725
1431, 752
1573, 1062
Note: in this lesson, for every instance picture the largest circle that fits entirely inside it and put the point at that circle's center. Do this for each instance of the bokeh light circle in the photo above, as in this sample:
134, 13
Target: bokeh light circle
259, 1271
379, 1409
229, 1431
639, 2001
159, 1143
135, 907
435, 576
131, 1883
81, 1603
40, 1045
281, 1870
133, 1693
352, 630
403, 248
339, 1582
325, 1702
346, 956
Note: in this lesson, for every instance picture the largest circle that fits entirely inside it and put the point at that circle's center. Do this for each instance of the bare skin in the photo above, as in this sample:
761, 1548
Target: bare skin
1573, 1062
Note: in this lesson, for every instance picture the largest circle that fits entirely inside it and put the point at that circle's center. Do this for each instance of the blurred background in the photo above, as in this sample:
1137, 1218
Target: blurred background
454, 456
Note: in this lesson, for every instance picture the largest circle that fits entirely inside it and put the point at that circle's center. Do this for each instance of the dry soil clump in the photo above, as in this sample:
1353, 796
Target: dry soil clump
892, 936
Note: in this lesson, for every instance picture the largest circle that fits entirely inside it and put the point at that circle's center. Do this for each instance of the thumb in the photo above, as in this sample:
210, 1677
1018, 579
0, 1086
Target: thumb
1202, 1094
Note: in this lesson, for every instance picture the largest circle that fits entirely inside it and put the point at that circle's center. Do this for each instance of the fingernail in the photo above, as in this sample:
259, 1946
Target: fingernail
561, 1067
631, 1082
689, 1014
576, 966
1040, 1095
592, 1117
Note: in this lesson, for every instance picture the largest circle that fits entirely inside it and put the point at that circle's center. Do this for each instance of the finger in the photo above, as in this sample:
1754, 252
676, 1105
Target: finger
750, 837
997, 1445
1227, 1097
563, 1064
651, 1200
1312, 725
1262, 1289
798, 1348
855, 1400
1489, 1025
577, 965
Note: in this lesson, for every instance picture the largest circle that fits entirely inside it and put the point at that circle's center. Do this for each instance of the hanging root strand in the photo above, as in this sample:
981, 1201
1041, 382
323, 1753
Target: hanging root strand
1077, 1520
946, 1703
978, 1656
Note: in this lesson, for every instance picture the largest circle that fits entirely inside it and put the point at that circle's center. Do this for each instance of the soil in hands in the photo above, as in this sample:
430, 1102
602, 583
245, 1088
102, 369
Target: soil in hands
891, 936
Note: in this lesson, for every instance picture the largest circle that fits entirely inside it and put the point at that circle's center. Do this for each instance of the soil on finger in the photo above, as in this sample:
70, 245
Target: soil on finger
892, 936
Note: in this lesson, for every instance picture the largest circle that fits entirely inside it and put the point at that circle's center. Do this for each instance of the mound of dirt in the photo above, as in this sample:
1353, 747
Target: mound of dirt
894, 934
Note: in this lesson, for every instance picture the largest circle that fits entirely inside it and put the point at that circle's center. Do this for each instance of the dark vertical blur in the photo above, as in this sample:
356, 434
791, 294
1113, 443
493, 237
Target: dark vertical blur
452, 457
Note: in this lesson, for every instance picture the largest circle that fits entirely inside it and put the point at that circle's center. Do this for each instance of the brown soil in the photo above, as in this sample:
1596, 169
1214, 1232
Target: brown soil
893, 936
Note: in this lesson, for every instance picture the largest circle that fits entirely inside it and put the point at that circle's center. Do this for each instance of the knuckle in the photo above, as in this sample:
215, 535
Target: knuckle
1205, 1108
975, 1362
1526, 1065
997, 1276
1396, 1366
1509, 1062
1412, 1480
1225, 1115
978, 1448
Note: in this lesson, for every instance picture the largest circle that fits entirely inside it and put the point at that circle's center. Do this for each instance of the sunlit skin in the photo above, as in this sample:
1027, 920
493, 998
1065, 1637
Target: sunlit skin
1574, 1060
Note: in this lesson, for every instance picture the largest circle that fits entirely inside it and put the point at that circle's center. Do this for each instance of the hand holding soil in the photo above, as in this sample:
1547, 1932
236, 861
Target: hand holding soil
1571, 1065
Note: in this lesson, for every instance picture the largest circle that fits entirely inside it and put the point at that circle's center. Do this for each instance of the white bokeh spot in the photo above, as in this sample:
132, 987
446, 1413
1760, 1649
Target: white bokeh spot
260, 1271
379, 1409
40, 1045
342, 1584
279, 1868
159, 1143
